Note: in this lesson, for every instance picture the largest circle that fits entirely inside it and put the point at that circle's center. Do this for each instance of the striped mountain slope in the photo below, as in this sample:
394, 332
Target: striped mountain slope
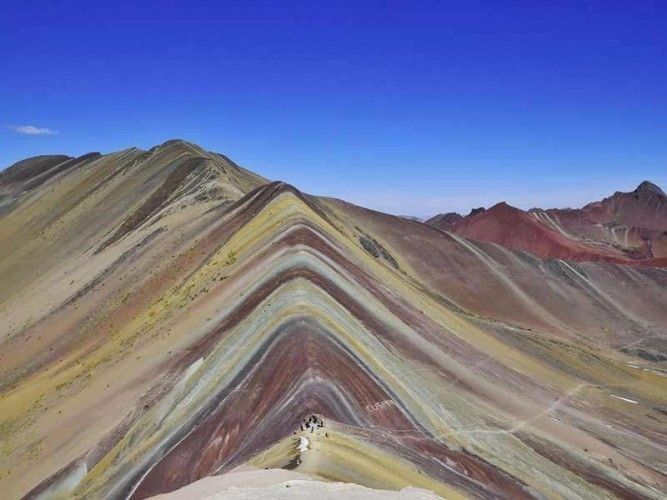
168, 316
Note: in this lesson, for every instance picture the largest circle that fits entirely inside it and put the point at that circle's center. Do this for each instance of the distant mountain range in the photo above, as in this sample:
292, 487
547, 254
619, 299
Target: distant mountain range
167, 315
626, 228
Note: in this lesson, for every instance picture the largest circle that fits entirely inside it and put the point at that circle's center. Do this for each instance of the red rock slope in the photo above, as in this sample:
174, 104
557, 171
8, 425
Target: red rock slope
626, 228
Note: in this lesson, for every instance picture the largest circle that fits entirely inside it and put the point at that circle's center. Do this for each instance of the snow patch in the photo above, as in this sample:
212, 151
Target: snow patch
303, 444
624, 399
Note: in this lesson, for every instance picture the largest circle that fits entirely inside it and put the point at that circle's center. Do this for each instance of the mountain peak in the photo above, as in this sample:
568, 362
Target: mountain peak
175, 141
647, 187
503, 207
179, 145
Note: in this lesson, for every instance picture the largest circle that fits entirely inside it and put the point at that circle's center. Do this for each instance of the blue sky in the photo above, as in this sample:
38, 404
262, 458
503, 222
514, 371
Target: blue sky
408, 107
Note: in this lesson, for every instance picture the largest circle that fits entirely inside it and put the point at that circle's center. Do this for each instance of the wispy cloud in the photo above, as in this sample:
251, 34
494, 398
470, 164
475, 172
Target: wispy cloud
32, 130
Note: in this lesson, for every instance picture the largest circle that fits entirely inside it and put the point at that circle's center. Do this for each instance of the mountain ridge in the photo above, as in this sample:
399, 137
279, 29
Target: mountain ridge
590, 233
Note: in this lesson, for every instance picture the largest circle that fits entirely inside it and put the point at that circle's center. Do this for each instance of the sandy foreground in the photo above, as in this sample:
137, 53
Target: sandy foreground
279, 483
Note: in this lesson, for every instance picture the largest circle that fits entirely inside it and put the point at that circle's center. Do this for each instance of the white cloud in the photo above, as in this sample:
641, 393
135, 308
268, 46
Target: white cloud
32, 130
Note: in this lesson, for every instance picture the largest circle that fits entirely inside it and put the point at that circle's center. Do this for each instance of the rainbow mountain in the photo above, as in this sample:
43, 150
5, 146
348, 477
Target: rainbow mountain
167, 316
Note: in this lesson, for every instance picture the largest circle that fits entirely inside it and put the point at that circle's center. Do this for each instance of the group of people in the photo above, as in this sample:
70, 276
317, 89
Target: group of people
311, 423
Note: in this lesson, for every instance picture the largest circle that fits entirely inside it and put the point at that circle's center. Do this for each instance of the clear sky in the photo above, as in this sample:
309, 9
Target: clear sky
410, 107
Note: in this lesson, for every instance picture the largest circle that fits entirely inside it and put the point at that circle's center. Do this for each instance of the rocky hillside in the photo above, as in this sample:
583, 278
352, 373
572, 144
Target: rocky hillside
626, 228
